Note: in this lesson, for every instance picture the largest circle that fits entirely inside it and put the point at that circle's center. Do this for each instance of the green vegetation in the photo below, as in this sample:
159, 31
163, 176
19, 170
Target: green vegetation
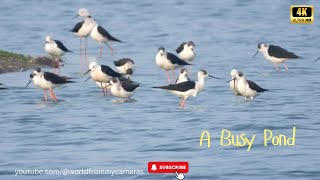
13, 62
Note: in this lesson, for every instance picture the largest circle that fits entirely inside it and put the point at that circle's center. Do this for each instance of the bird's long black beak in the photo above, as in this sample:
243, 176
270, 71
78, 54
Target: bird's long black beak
213, 77
188, 77
255, 54
233, 79
87, 72
316, 59
87, 79
28, 83
45, 43
75, 16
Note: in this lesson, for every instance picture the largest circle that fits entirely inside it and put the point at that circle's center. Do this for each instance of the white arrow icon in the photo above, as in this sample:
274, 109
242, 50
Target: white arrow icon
179, 176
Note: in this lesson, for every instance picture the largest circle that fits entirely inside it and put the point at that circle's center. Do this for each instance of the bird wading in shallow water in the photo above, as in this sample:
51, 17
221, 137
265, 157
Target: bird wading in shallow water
247, 88
123, 89
47, 81
83, 29
125, 66
168, 61
103, 74
186, 51
233, 82
56, 49
187, 88
183, 76
275, 54
102, 36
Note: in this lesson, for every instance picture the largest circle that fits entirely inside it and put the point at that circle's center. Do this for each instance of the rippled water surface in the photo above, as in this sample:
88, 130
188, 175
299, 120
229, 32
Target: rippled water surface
87, 130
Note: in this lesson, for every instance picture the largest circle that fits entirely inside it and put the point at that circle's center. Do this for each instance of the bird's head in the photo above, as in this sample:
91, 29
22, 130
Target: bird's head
189, 45
36, 72
83, 12
93, 66
262, 47
114, 81
129, 71
184, 73
161, 51
234, 73
240, 75
202, 74
49, 39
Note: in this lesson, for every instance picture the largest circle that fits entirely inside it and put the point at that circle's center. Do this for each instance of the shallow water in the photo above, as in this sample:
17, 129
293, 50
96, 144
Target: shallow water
87, 130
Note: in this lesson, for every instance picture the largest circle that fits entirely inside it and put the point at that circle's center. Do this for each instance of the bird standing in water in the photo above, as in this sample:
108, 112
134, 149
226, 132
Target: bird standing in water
56, 49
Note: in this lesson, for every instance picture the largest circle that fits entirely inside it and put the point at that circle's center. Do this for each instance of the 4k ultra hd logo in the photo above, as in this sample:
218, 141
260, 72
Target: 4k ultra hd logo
301, 14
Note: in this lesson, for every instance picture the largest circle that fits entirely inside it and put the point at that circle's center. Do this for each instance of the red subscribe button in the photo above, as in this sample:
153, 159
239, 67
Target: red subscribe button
168, 167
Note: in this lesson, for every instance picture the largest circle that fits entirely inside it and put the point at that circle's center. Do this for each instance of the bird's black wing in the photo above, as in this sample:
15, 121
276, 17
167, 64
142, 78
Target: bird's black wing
105, 33
2, 87
279, 52
180, 48
175, 60
181, 87
122, 61
110, 72
61, 46
77, 27
54, 78
128, 86
256, 87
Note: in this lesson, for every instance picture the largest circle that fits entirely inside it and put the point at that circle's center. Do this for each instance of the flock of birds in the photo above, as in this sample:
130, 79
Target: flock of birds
119, 83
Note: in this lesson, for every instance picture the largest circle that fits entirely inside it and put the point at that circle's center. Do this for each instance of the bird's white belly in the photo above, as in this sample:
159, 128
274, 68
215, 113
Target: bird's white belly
40, 82
191, 92
105, 85
120, 92
85, 30
100, 77
245, 90
166, 64
97, 36
122, 69
53, 50
187, 55
182, 79
275, 60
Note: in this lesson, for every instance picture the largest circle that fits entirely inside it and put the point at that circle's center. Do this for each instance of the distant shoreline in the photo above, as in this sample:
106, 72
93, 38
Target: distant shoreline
13, 62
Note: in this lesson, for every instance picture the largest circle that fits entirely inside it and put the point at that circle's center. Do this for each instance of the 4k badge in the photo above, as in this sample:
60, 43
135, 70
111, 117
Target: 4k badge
301, 14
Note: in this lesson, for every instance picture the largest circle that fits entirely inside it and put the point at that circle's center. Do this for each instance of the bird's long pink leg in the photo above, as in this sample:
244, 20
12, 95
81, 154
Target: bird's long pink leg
276, 65
180, 104
59, 66
174, 76
81, 65
45, 95
111, 50
54, 65
168, 77
100, 51
190, 69
184, 100
103, 90
85, 51
53, 97
285, 66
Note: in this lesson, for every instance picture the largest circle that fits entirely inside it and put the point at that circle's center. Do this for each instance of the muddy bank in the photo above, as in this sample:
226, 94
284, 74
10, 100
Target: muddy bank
12, 62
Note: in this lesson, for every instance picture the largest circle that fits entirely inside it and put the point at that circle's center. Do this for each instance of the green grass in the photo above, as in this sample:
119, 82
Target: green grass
6, 55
